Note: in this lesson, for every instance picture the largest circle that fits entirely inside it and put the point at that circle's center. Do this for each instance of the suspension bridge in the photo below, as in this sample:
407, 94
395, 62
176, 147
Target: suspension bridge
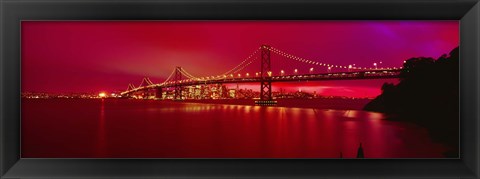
179, 78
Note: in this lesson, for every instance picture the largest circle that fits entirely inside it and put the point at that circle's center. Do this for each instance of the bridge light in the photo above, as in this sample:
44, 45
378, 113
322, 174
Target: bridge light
375, 64
282, 72
269, 73
311, 70
239, 75
295, 71
256, 74
349, 66
404, 61
231, 75
248, 74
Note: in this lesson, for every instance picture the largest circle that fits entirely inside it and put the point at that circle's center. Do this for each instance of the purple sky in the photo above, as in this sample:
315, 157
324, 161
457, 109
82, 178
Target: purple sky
108, 55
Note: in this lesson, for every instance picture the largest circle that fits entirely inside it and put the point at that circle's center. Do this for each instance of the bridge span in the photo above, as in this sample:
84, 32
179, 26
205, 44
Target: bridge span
180, 78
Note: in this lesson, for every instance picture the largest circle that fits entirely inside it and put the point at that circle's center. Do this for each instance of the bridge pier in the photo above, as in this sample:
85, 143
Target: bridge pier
203, 91
158, 93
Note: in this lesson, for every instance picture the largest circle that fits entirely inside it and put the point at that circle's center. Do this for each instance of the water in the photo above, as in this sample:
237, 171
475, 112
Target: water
120, 128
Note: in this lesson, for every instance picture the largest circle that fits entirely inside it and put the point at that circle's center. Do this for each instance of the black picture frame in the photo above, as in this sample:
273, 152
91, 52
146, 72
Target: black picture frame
13, 11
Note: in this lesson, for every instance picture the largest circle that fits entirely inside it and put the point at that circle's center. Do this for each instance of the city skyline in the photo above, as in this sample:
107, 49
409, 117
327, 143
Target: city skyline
106, 56
213, 92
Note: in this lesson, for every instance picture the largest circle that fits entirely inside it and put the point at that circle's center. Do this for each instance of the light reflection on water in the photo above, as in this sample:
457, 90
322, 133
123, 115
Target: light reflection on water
165, 129
102, 132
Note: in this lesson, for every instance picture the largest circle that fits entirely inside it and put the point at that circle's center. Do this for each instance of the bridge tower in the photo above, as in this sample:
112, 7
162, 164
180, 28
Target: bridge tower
178, 87
265, 74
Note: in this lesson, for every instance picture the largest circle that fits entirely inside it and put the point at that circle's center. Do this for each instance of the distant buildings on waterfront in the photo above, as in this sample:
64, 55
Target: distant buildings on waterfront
217, 91
40, 95
191, 92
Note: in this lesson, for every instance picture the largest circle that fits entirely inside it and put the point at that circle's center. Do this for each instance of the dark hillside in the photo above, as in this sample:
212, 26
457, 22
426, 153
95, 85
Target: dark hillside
428, 95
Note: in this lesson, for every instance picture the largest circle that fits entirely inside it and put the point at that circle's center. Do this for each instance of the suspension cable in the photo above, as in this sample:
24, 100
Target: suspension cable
250, 56
307, 61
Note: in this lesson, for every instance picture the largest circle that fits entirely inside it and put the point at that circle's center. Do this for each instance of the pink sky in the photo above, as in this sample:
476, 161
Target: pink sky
93, 56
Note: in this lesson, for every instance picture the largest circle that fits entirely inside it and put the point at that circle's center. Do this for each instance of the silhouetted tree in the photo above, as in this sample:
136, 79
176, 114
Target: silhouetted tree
428, 95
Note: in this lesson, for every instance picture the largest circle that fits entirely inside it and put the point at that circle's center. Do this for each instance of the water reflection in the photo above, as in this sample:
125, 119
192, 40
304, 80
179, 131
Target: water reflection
165, 129
102, 136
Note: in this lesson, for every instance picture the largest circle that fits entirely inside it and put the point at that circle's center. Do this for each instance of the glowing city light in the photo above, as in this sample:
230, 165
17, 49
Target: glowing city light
102, 95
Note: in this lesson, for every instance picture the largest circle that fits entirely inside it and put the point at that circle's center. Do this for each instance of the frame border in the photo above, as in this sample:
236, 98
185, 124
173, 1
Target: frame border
13, 11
